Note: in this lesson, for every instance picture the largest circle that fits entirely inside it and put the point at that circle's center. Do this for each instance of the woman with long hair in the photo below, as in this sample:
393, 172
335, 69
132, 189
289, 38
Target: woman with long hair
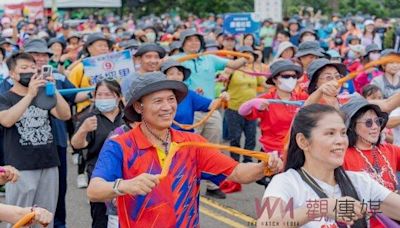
365, 123
314, 176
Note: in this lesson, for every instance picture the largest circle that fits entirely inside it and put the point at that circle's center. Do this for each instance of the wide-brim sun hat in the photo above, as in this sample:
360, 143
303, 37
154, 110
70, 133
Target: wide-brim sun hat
92, 38
191, 32
282, 65
318, 64
149, 83
310, 48
37, 46
356, 103
150, 47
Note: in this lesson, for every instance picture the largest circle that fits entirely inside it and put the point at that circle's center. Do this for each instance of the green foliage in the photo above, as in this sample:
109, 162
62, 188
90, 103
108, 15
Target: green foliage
382, 8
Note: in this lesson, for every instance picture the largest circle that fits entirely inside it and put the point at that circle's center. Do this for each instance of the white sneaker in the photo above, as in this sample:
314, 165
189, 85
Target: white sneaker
82, 181
75, 158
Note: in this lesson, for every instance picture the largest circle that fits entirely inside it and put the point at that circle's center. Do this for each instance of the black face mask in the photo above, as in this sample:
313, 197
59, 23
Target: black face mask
25, 78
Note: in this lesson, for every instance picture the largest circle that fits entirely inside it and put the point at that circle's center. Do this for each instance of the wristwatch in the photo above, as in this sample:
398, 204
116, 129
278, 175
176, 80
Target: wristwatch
115, 187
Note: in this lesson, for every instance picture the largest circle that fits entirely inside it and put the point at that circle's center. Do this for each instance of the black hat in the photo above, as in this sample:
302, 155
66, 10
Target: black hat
37, 46
148, 47
149, 83
282, 65
173, 63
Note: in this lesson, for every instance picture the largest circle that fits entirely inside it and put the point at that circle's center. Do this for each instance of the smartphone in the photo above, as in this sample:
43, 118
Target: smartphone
47, 70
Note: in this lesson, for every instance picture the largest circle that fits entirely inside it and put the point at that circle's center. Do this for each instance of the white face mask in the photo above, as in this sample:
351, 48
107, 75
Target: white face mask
287, 84
374, 56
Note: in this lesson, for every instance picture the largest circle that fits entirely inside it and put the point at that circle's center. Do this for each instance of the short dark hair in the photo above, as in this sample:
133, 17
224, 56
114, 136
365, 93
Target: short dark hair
12, 60
284, 32
370, 89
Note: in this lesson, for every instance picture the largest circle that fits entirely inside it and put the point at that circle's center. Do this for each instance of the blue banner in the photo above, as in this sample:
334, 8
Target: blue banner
242, 23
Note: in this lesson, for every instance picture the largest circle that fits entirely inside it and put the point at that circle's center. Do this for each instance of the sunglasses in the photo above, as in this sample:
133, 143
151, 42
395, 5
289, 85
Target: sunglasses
370, 122
286, 76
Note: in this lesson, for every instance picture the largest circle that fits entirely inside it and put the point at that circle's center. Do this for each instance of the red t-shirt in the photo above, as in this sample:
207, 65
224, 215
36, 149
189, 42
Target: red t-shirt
275, 122
353, 161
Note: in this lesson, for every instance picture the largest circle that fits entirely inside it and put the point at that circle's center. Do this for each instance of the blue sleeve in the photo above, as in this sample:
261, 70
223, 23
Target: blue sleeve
109, 163
219, 63
66, 84
199, 102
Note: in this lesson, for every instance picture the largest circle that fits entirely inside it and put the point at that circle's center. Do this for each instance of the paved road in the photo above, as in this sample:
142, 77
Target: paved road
237, 210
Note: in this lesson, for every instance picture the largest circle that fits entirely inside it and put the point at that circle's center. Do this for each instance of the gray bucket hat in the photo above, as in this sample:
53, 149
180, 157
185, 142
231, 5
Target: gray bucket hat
190, 32
308, 30
127, 44
73, 35
148, 47
149, 83
173, 63
96, 37
248, 49
37, 46
310, 48
4, 40
318, 64
357, 103
280, 66
370, 48
174, 45
211, 43
56, 40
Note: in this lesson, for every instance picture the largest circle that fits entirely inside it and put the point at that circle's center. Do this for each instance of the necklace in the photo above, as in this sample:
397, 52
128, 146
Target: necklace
163, 142
374, 169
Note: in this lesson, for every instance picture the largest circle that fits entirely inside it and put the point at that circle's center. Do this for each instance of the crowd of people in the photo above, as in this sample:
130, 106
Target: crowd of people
343, 145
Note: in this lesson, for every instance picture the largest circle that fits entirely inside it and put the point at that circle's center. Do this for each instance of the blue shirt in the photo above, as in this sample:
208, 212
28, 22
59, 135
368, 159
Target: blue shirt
193, 102
59, 126
203, 72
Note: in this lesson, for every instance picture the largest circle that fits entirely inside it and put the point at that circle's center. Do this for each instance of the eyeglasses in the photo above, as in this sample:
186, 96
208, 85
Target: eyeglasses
286, 76
369, 122
330, 77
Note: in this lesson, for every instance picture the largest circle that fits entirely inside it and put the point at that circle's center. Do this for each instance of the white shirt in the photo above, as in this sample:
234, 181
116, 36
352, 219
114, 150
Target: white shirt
289, 185
396, 130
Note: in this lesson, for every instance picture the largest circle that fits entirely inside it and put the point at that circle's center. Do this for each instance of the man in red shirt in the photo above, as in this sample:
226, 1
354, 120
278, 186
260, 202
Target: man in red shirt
129, 165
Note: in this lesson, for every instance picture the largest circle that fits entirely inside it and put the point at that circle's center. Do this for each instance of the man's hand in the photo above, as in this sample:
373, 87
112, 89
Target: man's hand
8, 174
34, 85
140, 185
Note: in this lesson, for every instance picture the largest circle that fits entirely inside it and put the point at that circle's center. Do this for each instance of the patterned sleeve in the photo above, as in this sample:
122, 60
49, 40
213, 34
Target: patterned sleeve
214, 165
